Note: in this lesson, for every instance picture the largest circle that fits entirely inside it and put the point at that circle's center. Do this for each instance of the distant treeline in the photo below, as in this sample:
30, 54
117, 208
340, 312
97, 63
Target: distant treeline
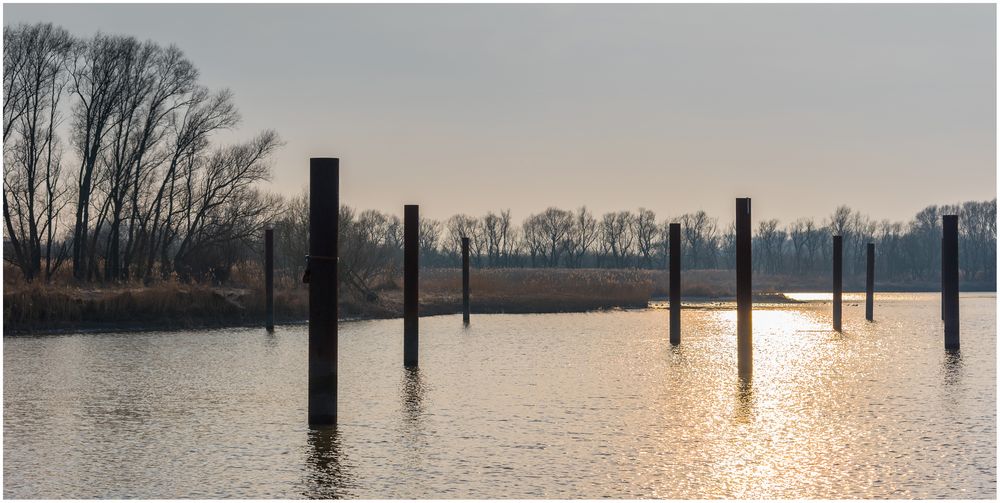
371, 242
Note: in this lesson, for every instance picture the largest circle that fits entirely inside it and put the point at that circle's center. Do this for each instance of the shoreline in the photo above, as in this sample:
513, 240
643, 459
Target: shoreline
447, 307
69, 308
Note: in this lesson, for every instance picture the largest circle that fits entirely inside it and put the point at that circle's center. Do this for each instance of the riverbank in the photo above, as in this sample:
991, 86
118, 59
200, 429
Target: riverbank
36, 308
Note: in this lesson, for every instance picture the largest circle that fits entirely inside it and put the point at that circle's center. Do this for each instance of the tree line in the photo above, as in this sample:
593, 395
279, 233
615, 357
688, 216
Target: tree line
371, 241
143, 192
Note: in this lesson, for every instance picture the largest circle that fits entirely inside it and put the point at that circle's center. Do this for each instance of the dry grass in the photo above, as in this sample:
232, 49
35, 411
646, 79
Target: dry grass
535, 290
67, 305
616, 284
173, 304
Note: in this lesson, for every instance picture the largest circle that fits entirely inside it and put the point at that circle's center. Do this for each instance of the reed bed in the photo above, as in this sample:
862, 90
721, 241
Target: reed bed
64, 304
170, 303
535, 290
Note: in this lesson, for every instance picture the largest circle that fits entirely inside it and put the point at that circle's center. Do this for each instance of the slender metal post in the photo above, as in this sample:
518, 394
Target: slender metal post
269, 278
744, 289
942, 278
675, 284
324, 223
870, 284
838, 280
950, 274
465, 280
411, 267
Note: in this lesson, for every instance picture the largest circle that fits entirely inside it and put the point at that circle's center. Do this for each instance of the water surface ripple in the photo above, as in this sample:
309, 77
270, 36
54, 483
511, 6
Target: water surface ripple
518, 406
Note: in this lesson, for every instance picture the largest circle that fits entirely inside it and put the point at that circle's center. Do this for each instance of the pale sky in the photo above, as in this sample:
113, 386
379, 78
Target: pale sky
470, 108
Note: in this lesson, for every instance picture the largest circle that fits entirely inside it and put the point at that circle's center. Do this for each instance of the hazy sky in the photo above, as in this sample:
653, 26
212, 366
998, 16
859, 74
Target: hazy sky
468, 108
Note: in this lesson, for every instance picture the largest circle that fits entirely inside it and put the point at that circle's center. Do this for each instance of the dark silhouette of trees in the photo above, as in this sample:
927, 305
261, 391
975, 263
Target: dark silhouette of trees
624, 239
617, 238
700, 235
646, 236
150, 191
769, 243
583, 235
34, 192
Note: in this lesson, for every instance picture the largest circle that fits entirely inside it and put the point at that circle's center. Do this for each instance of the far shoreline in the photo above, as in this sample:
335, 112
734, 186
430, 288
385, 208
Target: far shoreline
57, 328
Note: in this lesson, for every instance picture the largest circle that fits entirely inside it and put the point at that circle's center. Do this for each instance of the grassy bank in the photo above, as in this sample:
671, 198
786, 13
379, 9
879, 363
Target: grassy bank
39, 308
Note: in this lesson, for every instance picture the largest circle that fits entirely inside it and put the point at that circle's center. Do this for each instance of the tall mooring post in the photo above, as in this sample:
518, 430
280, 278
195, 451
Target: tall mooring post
324, 226
838, 280
465, 281
411, 268
950, 274
870, 284
675, 284
269, 279
744, 295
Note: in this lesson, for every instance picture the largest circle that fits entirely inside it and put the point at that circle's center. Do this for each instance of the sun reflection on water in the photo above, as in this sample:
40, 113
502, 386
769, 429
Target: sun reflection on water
587, 405
777, 433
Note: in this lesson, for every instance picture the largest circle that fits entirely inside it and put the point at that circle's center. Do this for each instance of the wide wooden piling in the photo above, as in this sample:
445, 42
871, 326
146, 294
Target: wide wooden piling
744, 291
411, 268
324, 223
465, 281
675, 284
870, 284
838, 280
269, 279
950, 274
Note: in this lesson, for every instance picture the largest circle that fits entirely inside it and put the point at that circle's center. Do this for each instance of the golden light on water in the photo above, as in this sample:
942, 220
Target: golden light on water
763, 456
768, 432
594, 405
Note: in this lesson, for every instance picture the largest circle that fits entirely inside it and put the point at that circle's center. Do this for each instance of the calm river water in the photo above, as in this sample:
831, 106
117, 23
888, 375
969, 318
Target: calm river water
521, 406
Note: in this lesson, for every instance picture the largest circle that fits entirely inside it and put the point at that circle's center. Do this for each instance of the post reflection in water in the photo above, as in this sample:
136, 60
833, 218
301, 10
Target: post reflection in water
415, 438
413, 390
745, 401
327, 476
951, 367
270, 339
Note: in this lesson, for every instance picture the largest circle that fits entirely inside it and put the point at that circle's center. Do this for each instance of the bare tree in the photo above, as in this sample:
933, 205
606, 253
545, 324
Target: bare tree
646, 234
582, 236
19, 43
700, 239
770, 240
201, 114
507, 237
618, 236
291, 231
430, 235
556, 225
491, 233
460, 226
33, 192
727, 248
220, 184
801, 233
533, 239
